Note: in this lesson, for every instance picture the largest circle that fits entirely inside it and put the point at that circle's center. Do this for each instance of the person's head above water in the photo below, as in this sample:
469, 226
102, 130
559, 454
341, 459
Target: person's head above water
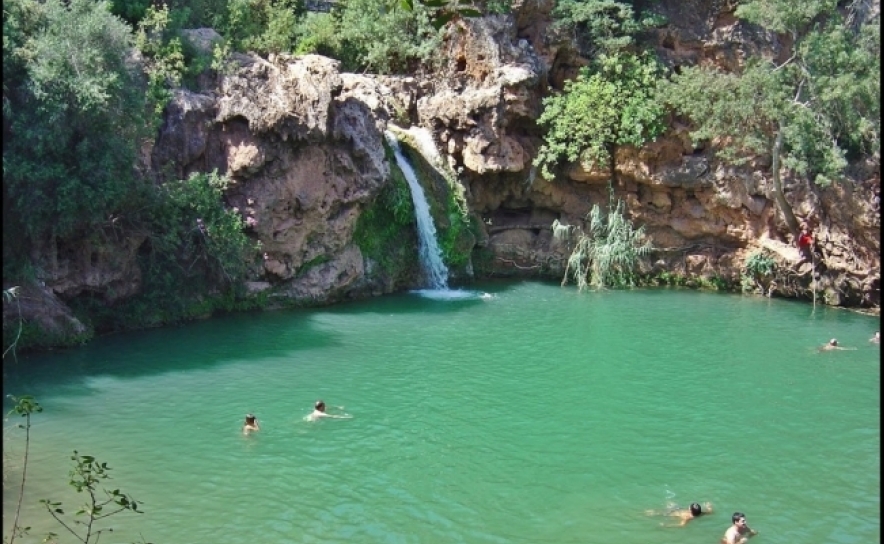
320, 406
833, 342
695, 509
250, 418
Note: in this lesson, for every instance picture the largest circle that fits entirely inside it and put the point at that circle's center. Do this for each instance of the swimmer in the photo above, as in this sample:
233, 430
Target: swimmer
319, 413
250, 425
739, 532
832, 345
876, 339
685, 515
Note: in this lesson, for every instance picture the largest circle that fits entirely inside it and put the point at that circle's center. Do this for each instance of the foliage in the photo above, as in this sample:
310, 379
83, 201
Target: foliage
262, 26
195, 240
822, 102
599, 26
88, 475
383, 226
784, 15
759, 264
669, 278
318, 34
131, 11
451, 239
611, 104
443, 11
374, 37
163, 56
221, 61
25, 406
607, 255
73, 116
758, 269
195, 245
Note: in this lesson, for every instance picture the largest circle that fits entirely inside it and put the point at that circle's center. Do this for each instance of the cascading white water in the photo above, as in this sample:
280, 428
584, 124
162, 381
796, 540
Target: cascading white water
430, 254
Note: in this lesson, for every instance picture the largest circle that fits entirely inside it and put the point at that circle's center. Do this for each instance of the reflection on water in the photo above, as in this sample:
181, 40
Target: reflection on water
453, 294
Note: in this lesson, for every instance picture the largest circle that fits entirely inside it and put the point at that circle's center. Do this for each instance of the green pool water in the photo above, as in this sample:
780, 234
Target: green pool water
532, 414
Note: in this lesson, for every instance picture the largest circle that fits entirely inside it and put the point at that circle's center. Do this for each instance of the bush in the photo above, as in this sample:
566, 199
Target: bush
375, 37
611, 104
607, 255
193, 262
385, 231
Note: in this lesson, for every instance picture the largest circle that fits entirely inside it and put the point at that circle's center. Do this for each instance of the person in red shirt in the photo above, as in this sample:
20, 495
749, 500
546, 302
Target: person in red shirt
805, 243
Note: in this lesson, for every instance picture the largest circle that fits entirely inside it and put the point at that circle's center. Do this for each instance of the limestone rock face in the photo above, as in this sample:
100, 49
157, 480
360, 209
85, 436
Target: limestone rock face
303, 144
487, 97
704, 216
102, 264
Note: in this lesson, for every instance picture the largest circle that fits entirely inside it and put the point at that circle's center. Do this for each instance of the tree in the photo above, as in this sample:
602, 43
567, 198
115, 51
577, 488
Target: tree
598, 26
376, 37
74, 114
807, 113
611, 104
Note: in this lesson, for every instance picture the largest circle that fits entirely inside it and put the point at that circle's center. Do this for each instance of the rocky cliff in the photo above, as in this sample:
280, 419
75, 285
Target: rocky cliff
303, 143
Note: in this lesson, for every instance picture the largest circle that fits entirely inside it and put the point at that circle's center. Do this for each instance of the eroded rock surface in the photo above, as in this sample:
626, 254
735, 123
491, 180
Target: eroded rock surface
303, 143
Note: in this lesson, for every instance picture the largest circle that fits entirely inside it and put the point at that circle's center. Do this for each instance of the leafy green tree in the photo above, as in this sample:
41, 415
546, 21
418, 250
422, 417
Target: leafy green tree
611, 103
262, 26
73, 116
598, 26
443, 11
807, 113
163, 56
318, 33
381, 39
195, 246
131, 11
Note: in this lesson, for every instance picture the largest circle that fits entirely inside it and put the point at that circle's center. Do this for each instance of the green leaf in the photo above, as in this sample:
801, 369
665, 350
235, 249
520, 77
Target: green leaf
442, 19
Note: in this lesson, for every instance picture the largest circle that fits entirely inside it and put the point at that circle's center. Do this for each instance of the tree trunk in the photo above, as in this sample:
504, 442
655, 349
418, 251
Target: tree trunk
779, 197
612, 162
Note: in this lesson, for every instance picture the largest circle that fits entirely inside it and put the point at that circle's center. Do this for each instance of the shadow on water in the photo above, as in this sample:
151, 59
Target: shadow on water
191, 346
204, 344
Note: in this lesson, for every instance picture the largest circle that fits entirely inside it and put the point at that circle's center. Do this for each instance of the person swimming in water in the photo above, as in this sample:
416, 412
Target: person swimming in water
832, 345
250, 425
684, 515
319, 413
739, 532
876, 339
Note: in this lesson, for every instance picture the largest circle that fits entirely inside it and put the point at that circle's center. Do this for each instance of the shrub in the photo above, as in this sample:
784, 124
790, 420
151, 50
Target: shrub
607, 255
611, 104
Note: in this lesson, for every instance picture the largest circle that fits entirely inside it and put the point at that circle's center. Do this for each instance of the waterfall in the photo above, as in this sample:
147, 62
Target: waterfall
430, 254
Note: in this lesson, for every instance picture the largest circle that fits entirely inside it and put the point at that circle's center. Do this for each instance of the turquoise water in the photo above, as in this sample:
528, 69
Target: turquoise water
536, 414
